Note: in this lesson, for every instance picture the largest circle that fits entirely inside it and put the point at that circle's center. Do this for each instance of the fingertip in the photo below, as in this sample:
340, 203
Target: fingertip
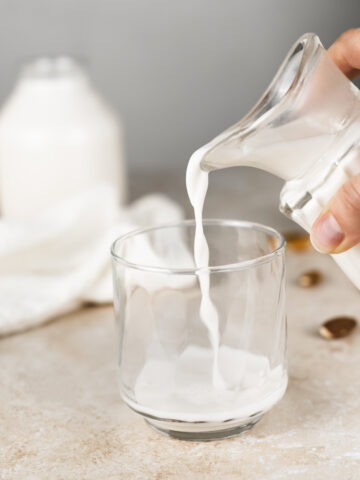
326, 235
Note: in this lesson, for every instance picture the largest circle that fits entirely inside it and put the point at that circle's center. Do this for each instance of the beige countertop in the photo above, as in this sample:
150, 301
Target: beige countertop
61, 416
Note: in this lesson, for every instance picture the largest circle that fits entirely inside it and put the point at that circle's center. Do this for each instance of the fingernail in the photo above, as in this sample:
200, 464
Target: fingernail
327, 233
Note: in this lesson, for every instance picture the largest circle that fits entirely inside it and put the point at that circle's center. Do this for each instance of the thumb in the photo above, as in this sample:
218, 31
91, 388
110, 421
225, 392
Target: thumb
338, 227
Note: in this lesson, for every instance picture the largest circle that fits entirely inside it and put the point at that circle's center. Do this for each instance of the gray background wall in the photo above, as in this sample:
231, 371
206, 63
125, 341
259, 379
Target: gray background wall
179, 71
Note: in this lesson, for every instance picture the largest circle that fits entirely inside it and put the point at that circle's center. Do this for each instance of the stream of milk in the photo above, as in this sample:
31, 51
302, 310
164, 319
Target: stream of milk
197, 182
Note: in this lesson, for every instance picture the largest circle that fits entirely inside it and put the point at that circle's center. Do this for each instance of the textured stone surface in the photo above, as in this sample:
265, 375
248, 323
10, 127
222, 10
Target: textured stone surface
61, 416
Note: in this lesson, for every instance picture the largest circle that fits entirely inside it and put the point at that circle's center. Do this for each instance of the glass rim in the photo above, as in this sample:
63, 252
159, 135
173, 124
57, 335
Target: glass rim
243, 265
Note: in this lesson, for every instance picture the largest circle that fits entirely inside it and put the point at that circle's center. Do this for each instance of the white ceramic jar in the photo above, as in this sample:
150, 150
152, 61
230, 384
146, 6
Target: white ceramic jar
57, 138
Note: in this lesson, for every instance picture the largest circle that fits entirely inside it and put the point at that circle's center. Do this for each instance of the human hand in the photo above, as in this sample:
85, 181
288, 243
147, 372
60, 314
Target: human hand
338, 227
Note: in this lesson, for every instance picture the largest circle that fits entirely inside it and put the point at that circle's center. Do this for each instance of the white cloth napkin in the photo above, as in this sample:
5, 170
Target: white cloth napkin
61, 259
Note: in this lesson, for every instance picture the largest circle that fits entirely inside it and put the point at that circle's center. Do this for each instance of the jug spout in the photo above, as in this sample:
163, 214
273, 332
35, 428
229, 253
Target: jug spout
308, 104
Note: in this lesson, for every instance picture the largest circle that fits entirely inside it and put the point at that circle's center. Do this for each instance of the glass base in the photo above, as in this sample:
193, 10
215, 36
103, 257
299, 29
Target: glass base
203, 431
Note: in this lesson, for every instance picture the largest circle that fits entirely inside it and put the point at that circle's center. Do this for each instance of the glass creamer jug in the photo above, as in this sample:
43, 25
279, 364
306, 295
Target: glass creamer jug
304, 129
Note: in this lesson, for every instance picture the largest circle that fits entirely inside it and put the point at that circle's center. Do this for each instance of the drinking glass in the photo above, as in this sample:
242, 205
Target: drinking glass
166, 357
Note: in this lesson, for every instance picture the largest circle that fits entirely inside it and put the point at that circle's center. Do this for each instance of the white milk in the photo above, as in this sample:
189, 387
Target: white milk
184, 390
197, 182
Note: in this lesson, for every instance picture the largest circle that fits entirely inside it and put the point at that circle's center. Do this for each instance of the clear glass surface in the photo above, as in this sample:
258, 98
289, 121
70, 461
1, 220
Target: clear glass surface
165, 355
309, 116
